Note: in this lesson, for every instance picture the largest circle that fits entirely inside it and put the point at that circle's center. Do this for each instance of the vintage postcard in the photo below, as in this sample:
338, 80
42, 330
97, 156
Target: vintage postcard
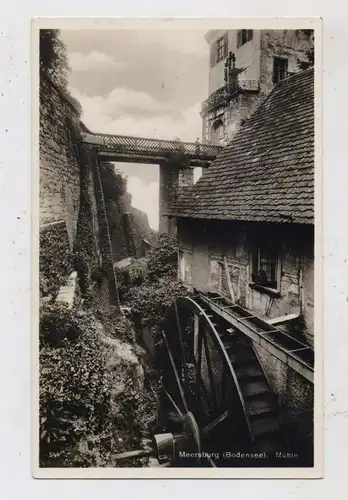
177, 243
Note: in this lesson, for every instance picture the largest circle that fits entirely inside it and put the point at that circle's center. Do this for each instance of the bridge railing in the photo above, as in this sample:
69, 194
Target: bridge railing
128, 144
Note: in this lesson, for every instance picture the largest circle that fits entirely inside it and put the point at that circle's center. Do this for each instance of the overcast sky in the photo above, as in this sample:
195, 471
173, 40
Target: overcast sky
141, 83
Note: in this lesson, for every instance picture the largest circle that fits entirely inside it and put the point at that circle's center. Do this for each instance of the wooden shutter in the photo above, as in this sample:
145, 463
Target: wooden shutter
239, 38
225, 45
213, 54
275, 70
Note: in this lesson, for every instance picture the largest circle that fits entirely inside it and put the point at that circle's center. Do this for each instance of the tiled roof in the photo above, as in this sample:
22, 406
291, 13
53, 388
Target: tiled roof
266, 173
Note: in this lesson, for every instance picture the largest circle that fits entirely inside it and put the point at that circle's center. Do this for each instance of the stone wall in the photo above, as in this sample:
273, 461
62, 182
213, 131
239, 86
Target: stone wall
59, 159
295, 396
232, 116
290, 44
70, 192
175, 175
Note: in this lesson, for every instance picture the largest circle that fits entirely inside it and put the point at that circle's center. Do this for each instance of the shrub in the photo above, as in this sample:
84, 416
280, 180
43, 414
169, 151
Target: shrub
309, 52
74, 384
116, 326
162, 260
57, 325
56, 261
90, 409
113, 182
130, 276
53, 57
153, 307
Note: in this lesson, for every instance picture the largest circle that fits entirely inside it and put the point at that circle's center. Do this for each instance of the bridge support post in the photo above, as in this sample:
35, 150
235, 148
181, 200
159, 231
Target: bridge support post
172, 180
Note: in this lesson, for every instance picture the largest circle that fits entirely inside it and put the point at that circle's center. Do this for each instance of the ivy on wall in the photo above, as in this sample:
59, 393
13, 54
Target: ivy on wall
85, 251
56, 259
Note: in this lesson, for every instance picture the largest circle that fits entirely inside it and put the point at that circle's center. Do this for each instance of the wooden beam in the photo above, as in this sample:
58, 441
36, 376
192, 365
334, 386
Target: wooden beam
280, 353
228, 278
283, 319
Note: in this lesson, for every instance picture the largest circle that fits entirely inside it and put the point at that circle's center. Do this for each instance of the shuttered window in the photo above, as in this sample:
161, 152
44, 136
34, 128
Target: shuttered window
265, 267
218, 50
244, 36
280, 69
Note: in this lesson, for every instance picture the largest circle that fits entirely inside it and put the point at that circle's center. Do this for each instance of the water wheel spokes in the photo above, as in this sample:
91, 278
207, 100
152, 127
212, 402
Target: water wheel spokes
203, 382
175, 373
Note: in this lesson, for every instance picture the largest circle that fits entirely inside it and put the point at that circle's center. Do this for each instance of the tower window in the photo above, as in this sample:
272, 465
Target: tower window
220, 48
244, 36
218, 132
280, 69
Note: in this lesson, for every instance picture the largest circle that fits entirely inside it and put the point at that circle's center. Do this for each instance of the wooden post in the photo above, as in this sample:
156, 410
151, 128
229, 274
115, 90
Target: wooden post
195, 334
228, 278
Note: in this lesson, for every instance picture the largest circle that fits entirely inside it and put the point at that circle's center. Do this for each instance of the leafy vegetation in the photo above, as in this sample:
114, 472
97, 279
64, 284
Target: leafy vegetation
56, 260
54, 63
113, 182
153, 301
92, 402
163, 258
309, 53
53, 58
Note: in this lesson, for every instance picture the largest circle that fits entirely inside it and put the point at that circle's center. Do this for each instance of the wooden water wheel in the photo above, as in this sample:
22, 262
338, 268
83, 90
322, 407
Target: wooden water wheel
217, 397
214, 380
201, 385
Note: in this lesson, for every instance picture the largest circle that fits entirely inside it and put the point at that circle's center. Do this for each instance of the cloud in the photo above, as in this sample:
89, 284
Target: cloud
145, 197
127, 112
165, 64
189, 42
94, 61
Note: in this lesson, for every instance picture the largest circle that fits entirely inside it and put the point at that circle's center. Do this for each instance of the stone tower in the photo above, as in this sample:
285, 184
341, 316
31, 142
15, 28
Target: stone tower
244, 67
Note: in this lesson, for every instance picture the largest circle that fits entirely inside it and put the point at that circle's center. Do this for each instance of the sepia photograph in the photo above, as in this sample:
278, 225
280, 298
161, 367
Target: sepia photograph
178, 326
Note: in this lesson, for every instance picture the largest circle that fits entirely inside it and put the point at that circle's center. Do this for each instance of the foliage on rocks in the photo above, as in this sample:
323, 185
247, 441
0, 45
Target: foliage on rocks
116, 326
92, 404
153, 300
54, 65
84, 245
53, 57
113, 182
162, 260
309, 52
56, 261
130, 276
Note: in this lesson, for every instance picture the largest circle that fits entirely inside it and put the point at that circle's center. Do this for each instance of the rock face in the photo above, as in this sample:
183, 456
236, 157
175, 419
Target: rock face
142, 232
130, 231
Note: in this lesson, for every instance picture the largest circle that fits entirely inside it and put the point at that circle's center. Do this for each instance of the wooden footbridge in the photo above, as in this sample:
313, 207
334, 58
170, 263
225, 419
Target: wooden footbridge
121, 148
